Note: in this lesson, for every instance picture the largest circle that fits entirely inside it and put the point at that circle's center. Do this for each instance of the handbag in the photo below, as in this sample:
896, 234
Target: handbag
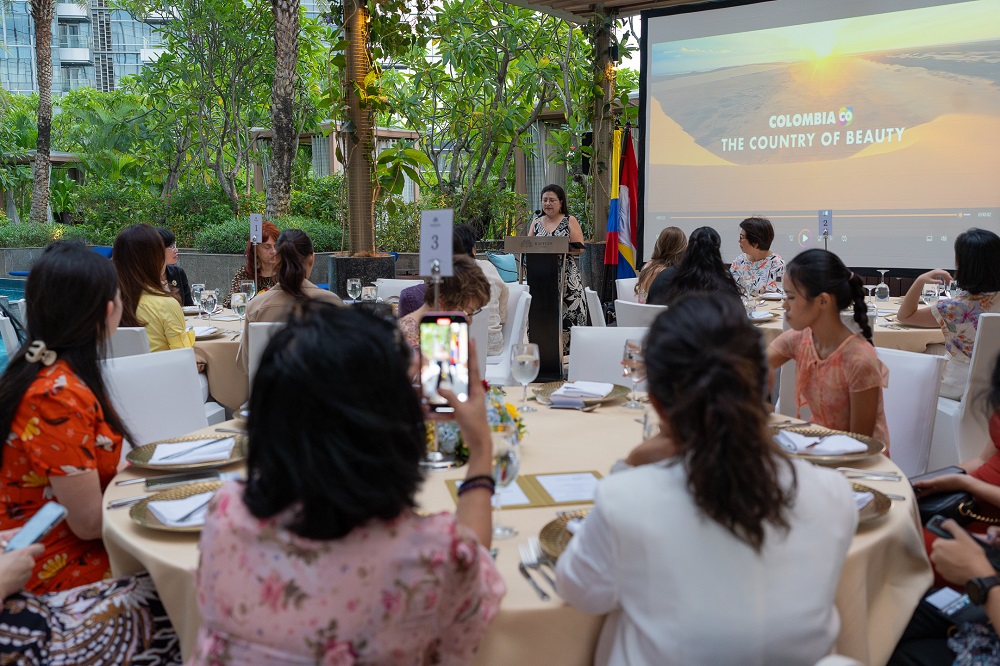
958, 505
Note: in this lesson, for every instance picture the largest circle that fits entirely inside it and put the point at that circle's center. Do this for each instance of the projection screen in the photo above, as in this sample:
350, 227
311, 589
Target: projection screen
882, 115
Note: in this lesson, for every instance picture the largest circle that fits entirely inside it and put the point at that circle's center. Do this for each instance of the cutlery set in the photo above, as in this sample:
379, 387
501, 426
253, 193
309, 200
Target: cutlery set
873, 475
533, 558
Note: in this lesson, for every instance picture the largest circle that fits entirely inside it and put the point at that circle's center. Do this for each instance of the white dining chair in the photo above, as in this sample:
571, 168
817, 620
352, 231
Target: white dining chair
786, 404
515, 291
910, 404
628, 313
128, 341
158, 396
259, 334
595, 353
10, 341
387, 288
479, 330
626, 289
594, 307
961, 429
498, 374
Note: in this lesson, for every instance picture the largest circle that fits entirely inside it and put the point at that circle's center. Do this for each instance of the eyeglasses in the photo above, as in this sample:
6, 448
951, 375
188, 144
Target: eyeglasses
172, 247
473, 313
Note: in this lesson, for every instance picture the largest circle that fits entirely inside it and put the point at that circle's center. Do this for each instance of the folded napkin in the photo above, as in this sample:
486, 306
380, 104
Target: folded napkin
218, 451
573, 525
861, 500
564, 402
584, 390
832, 445
170, 512
201, 331
191, 309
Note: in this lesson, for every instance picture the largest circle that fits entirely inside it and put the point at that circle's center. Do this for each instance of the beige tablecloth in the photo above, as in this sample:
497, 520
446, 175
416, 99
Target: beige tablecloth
898, 337
227, 383
884, 577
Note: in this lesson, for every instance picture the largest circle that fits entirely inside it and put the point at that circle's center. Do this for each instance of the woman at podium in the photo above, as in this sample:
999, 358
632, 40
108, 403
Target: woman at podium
555, 220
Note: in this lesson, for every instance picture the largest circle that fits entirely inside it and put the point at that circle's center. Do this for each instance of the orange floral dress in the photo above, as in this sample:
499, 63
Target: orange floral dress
58, 430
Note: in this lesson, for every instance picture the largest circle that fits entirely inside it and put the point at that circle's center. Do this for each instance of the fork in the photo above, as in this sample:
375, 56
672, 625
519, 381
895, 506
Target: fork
531, 559
535, 546
527, 562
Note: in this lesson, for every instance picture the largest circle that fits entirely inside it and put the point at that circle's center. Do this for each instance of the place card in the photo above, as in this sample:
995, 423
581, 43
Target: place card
514, 496
572, 488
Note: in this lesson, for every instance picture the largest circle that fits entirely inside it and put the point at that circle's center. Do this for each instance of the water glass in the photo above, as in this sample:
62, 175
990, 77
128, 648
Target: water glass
634, 368
354, 288
952, 289
882, 289
248, 287
506, 462
239, 303
209, 300
196, 291
930, 293
524, 363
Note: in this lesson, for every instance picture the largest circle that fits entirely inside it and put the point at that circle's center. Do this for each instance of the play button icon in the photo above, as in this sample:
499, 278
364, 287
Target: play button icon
805, 238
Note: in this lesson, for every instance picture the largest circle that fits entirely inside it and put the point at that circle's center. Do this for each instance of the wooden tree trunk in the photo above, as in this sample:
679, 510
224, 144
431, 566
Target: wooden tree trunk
286, 135
360, 147
42, 12
602, 124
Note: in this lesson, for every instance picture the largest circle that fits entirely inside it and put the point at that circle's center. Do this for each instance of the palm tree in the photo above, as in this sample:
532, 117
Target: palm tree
286, 136
43, 13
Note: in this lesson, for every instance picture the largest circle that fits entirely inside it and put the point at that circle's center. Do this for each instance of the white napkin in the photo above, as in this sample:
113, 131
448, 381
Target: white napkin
191, 309
201, 331
832, 445
861, 500
169, 512
564, 402
584, 390
218, 451
573, 525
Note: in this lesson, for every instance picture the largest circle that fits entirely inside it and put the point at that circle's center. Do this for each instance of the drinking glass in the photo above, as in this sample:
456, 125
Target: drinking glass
369, 294
506, 462
354, 288
634, 368
209, 299
780, 282
239, 303
870, 288
952, 289
882, 289
930, 293
248, 287
524, 362
196, 291
435, 458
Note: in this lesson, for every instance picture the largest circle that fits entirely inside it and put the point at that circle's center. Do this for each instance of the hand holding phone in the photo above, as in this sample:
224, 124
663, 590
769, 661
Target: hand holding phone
444, 349
934, 526
40, 524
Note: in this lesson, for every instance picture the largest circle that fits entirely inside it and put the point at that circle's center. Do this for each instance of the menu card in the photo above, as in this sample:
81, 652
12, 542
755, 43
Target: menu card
574, 487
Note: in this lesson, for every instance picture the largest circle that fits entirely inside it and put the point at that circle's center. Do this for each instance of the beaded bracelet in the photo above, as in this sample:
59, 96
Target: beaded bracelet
480, 481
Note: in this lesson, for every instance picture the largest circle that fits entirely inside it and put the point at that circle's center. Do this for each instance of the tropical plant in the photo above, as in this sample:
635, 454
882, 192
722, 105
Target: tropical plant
42, 14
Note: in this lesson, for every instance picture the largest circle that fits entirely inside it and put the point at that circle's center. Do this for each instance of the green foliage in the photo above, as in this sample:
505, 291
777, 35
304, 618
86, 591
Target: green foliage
323, 199
193, 208
397, 225
107, 207
63, 194
37, 235
230, 237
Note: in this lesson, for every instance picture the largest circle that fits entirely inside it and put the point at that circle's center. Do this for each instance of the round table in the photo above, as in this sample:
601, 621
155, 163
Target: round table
227, 382
883, 579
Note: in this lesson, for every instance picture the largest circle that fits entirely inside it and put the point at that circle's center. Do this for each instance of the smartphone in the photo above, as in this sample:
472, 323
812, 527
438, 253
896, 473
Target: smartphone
444, 362
955, 606
40, 524
992, 553
172, 480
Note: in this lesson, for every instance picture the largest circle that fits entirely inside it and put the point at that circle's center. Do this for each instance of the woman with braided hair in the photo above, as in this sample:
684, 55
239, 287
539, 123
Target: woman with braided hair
838, 374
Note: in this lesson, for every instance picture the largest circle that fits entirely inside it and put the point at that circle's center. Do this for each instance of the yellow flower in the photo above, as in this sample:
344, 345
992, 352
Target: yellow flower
512, 410
34, 480
53, 566
31, 429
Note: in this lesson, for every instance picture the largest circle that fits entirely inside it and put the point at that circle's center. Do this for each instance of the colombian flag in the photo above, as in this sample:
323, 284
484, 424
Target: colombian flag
623, 209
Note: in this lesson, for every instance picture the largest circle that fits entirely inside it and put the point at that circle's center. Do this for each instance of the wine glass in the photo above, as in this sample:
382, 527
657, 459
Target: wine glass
196, 292
634, 368
524, 362
354, 288
248, 287
239, 303
209, 299
930, 293
870, 288
506, 462
882, 289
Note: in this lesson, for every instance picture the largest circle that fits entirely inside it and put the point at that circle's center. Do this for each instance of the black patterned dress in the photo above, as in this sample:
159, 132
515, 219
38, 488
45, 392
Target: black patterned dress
574, 309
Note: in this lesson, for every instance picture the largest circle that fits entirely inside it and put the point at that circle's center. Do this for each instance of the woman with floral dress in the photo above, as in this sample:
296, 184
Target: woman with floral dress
757, 270
556, 221
977, 261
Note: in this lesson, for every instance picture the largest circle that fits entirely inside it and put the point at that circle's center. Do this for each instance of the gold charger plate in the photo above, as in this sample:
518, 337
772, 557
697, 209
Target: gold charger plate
217, 333
141, 456
554, 536
877, 508
543, 392
875, 447
141, 514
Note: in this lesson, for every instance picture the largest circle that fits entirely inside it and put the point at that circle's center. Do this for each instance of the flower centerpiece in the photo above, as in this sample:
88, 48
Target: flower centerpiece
498, 411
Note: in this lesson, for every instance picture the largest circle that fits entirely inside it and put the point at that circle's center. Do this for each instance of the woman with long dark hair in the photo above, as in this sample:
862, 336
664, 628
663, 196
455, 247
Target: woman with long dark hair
295, 260
320, 557
260, 263
977, 274
174, 279
139, 257
837, 372
667, 251
720, 520
701, 269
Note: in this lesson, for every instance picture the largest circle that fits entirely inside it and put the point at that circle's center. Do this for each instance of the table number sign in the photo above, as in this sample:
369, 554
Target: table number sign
256, 228
435, 241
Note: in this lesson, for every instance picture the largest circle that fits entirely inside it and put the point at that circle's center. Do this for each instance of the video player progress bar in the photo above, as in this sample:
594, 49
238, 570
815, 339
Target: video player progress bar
839, 216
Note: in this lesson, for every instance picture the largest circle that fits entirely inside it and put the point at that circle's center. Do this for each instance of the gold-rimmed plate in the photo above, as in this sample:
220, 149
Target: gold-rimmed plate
875, 509
875, 447
141, 514
554, 537
544, 392
209, 335
140, 456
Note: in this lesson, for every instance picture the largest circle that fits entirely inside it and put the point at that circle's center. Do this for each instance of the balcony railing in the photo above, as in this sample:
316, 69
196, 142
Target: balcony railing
72, 11
74, 42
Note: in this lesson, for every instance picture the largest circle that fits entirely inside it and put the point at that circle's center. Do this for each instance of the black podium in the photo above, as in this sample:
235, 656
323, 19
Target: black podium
546, 274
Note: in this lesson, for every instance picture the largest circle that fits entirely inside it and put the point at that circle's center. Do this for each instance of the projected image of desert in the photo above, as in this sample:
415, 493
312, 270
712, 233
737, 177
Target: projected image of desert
816, 107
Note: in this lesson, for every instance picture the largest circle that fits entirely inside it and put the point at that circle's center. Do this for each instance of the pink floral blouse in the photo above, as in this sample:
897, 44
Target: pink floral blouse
759, 276
959, 317
826, 385
415, 590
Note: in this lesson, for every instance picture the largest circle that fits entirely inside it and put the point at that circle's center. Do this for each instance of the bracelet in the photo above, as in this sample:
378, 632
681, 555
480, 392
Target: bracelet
481, 477
482, 481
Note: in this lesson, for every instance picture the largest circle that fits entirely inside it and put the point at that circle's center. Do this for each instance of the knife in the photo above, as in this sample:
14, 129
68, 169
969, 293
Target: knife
524, 572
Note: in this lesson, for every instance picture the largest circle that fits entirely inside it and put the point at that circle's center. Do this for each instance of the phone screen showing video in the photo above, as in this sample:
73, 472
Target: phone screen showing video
444, 350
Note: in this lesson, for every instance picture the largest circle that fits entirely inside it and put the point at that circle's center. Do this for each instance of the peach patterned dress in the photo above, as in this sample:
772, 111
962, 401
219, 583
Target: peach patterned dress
415, 590
825, 385
58, 430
